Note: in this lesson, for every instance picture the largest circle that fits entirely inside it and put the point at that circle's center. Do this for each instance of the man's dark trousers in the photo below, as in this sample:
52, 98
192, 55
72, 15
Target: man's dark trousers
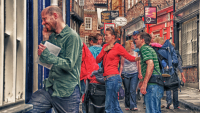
42, 101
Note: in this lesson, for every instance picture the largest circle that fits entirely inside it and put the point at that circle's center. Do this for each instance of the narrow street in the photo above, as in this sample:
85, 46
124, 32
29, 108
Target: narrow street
164, 110
142, 110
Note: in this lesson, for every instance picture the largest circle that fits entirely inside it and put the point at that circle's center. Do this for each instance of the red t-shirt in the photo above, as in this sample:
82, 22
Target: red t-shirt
111, 58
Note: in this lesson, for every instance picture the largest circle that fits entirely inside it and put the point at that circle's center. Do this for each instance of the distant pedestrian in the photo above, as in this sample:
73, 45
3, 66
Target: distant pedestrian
175, 91
149, 67
110, 54
130, 72
94, 48
100, 38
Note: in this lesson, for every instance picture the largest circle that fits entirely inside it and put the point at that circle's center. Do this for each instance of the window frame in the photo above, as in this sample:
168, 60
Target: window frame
90, 26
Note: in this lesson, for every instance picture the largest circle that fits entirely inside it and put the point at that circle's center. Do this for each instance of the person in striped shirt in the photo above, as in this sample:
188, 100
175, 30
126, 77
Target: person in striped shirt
149, 66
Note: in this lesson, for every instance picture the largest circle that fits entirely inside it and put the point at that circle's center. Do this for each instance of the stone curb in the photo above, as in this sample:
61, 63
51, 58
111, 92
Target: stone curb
185, 104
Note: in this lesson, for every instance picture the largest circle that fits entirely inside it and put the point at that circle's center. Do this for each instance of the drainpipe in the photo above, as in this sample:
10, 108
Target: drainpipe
149, 2
175, 27
68, 12
198, 43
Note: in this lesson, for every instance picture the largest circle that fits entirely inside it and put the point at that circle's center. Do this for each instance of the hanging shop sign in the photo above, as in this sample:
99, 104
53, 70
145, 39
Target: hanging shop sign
107, 25
105, 17
108, 16
120, 21
150, 15
114, 14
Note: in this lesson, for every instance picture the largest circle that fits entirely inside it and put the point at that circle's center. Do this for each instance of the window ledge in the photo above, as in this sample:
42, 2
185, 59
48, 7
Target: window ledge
16, 107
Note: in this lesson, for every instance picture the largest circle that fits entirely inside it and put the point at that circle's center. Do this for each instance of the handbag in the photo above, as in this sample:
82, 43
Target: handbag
121, 93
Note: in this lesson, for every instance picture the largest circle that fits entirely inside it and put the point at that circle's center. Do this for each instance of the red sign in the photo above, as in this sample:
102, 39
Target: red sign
107, 25
150, 15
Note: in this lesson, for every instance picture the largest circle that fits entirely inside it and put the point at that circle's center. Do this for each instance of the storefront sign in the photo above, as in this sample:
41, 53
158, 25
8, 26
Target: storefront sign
135, 27
114, 14
108, 16
120, 21
107, 25
150, 15
105, 17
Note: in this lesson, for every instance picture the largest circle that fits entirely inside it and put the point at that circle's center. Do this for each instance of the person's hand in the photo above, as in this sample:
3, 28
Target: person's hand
140, 76
143, 88
137, 58
41, 49
107, 48
183, 79
45, 34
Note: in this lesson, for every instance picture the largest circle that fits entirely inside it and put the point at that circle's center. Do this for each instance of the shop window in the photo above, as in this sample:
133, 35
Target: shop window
88, 23
189, 42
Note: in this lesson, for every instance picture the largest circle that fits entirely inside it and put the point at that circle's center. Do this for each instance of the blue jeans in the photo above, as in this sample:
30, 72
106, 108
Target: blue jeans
42, 101
82, 92
175, 97
112, 87
130, 85
153, 98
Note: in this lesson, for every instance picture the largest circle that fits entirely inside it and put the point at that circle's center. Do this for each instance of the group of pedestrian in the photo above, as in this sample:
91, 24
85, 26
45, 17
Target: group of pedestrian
62, 89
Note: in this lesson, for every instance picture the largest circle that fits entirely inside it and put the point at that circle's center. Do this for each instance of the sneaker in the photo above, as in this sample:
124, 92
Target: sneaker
138, 95
177, 107
162, 106
144, 106
168, 106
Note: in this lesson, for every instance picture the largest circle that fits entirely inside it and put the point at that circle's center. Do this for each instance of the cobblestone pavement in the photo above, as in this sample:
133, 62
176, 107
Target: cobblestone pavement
164, 110
142, 110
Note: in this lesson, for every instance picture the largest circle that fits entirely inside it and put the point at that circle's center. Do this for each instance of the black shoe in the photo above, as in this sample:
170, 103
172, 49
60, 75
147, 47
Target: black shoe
144, 106
168, 106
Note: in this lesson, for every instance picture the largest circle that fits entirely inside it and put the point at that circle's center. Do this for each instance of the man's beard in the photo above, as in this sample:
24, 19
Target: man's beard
53, 29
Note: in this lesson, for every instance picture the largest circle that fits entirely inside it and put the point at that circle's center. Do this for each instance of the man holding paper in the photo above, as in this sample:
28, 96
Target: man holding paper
62, 87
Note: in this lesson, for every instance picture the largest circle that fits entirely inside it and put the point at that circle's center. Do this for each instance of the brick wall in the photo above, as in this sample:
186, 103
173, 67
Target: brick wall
191, 75
138, 8
94, 30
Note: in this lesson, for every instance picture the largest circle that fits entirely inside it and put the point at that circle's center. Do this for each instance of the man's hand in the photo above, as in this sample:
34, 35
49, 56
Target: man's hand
108, 47
41, 49
143, 88
140, 76
183, 79
45, 34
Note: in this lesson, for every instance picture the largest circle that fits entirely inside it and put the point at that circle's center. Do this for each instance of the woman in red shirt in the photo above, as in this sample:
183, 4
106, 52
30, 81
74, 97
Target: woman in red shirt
110, 54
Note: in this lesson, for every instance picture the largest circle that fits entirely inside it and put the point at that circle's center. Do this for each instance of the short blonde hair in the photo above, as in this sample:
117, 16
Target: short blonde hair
128, 45
159, 40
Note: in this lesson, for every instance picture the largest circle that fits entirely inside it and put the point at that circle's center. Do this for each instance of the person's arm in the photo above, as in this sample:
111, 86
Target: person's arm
139, 68
99, 58
149, 71
181, 70
121, 65
71, 51
125, 54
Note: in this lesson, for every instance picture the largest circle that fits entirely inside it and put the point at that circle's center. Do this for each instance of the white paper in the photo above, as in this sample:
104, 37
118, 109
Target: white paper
53, 49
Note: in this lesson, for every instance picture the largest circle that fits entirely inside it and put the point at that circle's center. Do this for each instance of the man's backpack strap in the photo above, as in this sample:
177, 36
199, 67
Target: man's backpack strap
155, 78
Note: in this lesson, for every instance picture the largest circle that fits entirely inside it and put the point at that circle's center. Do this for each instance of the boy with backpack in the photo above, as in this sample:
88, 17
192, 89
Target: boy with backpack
175, 91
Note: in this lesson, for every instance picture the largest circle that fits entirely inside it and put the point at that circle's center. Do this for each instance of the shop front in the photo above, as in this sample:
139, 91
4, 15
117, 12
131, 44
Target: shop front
164, 26
187, 24
136, 24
